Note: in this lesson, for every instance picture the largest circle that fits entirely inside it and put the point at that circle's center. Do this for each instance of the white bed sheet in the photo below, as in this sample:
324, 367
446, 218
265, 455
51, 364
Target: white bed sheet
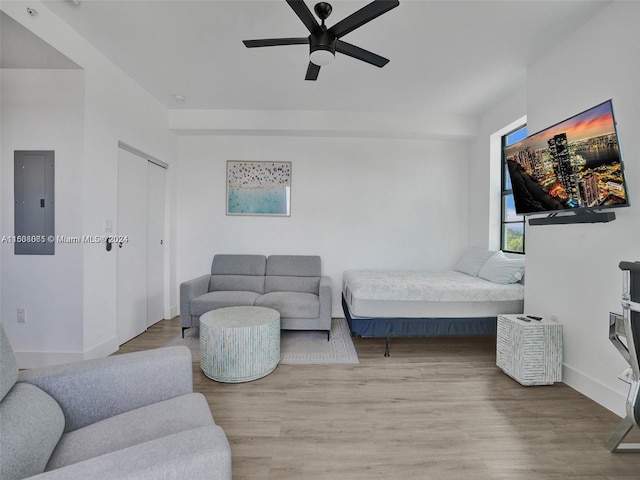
415, 293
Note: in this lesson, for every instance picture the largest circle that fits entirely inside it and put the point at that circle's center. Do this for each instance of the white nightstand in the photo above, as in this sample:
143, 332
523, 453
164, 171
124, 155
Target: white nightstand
529, 352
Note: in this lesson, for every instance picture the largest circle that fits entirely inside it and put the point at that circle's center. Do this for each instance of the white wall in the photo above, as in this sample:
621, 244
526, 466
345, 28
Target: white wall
484, 171
572, 269
44, 110
113, 108
117, 109
358, 203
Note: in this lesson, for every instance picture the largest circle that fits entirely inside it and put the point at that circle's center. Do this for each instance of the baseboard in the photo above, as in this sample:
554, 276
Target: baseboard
103, 349
607, 397
46, 359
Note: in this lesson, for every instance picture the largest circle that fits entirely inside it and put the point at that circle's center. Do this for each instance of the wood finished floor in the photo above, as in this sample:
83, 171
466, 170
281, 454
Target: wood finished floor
437, 408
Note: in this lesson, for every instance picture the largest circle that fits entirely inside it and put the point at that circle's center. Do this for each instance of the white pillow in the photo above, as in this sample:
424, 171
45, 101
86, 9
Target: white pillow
472, 261
502, 269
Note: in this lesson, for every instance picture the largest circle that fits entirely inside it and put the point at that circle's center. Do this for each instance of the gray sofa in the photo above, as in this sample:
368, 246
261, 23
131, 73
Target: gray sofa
291, 284
131, 416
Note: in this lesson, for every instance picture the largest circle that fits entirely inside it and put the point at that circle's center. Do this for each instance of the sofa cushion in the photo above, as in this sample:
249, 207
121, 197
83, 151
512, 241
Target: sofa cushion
212, 300
291, 304
8, 365
294, 265
293, 273
238, 265
135, 427
251, 283
279, 283
197, 453
31, 423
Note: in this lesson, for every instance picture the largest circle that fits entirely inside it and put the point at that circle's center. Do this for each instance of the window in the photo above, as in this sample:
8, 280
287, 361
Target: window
511, 224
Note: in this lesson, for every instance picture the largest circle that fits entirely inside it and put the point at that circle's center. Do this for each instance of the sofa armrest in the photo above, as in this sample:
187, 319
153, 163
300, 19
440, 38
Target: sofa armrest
196, 453
92, 390
325, 293
188, 291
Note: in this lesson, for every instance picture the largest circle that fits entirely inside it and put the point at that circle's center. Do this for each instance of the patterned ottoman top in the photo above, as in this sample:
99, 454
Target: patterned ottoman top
240, 317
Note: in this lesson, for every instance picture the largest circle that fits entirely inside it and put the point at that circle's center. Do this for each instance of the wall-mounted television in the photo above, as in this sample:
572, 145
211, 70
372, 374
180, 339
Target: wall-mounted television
574, 165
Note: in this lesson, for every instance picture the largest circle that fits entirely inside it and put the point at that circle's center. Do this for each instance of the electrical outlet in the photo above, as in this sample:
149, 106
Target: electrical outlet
22, 315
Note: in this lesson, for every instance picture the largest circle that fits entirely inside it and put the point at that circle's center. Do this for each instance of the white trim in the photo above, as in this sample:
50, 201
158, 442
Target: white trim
495, 181
46, 359
103, 349
596, 391
140, 153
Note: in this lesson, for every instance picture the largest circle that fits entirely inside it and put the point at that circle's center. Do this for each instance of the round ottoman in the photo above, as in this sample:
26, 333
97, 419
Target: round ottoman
239, 344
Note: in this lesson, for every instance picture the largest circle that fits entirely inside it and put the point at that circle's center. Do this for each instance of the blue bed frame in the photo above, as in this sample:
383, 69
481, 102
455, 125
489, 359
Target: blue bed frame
388, 327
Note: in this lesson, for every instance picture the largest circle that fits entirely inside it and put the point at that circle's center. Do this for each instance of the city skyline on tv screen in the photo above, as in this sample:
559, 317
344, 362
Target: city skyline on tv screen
575, 164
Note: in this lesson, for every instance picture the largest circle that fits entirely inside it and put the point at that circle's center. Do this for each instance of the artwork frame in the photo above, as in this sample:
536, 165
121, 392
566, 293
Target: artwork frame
258, 188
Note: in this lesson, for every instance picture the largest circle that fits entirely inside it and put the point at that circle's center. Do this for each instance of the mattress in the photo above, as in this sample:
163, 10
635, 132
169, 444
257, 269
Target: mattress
421, 294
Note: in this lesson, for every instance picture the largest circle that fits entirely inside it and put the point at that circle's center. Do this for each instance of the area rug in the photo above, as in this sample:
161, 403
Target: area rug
296, 347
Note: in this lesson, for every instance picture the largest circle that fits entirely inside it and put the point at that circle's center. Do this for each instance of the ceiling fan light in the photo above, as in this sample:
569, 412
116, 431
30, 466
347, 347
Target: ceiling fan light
321, 57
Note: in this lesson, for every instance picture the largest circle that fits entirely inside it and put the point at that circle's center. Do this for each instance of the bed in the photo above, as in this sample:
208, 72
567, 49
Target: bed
407, 303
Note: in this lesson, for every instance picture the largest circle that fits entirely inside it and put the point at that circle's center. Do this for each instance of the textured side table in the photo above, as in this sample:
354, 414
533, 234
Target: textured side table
529, 352
239, 344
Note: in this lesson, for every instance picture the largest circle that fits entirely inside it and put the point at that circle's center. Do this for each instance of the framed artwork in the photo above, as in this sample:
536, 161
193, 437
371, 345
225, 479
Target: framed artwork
258, 188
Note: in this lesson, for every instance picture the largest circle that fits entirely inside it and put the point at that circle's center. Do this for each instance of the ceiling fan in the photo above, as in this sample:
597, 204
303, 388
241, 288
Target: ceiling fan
325, 42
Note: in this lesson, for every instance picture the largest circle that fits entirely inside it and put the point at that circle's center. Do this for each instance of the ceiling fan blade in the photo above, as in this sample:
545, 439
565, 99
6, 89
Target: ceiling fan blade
362, 16
361, 54
274, 42
305, 15
312, 71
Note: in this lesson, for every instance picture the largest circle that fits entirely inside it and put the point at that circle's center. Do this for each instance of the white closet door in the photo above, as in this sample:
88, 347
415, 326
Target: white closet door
155, 242
132, 254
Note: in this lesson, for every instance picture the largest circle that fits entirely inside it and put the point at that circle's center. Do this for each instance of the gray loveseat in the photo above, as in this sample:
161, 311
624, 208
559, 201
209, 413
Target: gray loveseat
131, 416
291, 284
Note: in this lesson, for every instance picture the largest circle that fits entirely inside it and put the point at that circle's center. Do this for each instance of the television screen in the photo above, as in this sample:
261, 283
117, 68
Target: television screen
575, 164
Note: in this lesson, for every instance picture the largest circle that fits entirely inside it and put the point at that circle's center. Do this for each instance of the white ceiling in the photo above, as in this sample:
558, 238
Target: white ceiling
447, 56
